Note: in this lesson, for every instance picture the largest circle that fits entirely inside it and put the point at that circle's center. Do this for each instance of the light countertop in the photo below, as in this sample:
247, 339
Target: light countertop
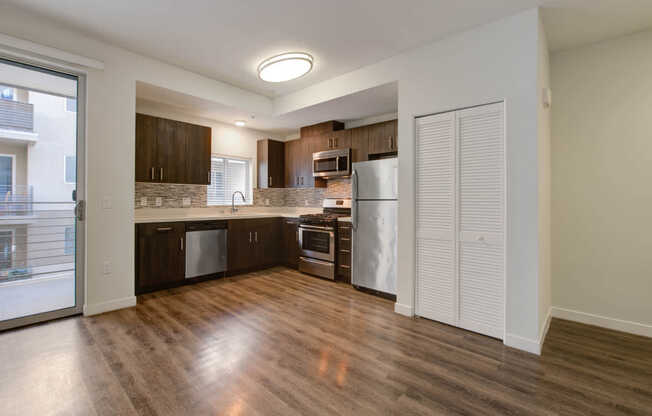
150, 215
344, 219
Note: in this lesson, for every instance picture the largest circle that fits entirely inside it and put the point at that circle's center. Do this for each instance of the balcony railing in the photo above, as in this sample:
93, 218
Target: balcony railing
15, 115
16, 200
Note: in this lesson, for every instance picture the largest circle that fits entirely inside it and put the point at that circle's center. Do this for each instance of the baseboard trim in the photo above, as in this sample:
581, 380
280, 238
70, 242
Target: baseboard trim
630, 327
521, 343
111, 305
544, 329
402, 309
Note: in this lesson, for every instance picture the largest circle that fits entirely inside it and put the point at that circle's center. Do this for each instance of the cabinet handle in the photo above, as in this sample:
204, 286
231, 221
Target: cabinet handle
181, 240
389, 140
270, 181
249, 237
297, 236
162, 229
335, 142
161, 174
302, 180
344, 266
152, 172
256, 236
330, 141
209, 177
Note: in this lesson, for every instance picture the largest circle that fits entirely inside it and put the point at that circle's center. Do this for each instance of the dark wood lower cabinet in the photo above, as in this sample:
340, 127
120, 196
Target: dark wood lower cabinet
160, 256
291, 243
344, 252
253, 244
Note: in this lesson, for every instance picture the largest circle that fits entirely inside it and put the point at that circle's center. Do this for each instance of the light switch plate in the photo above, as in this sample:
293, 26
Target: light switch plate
185, 202
159, 201
107, 203
143, 201
106, 267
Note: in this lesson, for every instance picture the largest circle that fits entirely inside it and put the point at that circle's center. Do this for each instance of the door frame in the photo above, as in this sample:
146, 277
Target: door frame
80, 225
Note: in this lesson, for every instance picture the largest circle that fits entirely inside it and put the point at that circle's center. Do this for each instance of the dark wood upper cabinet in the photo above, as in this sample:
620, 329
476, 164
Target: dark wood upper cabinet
292, 163
160, 259
383, 137
341, 139
360, 144
171, 151
270, 165
146, 162
198, 154
171, 137
321, 128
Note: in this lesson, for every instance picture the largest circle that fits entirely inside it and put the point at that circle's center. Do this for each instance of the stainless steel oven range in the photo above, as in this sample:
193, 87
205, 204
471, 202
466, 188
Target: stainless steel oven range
317, 238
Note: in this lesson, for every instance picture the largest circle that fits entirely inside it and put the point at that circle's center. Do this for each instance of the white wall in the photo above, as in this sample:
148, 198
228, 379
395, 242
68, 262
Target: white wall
601, 182
491, 63
111, 103
543, 153
227, 139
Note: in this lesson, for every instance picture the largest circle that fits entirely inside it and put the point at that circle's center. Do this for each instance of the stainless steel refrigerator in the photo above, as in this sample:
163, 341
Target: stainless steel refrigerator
374, 213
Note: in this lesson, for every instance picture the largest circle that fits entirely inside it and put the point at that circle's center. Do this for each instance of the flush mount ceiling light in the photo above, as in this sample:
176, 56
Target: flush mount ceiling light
285, 67
240, 123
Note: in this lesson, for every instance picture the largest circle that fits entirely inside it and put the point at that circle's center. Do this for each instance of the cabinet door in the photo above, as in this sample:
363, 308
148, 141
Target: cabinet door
391, 131
382, 137
341, 139
266, 236
160, 255
360, 144
292, 163
241, 245
171, 151
146, 164
270, 166
291, 243
198, 154
320, 142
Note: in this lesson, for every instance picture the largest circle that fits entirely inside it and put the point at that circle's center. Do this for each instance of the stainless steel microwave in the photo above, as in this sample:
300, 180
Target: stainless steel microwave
331, 163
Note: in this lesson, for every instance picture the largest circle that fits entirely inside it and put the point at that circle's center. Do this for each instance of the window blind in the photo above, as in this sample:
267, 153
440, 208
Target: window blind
229, 175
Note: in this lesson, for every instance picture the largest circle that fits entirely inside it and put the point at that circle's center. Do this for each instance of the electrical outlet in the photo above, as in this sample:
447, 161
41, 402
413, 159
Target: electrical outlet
143, 201
185, 202
106, 267
305, 202
159, 201
267, 201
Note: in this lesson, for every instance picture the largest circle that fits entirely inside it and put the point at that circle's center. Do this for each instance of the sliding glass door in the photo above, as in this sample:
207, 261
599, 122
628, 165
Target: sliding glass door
41, 194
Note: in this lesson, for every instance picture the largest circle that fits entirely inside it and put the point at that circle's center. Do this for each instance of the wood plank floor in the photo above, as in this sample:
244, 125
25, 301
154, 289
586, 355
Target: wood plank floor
281, 343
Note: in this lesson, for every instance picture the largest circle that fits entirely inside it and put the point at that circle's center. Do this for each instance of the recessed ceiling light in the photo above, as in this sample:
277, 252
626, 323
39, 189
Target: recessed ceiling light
240, 123
285, 67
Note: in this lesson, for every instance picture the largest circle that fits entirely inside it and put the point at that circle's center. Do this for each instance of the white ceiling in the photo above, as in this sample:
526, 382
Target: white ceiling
372, 102
227, 39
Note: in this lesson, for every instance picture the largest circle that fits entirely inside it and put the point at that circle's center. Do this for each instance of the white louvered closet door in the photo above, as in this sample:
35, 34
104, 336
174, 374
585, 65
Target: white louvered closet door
435, 218
460, 218
481, 217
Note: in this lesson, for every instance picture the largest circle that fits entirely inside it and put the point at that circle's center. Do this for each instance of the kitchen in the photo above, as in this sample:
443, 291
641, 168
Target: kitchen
305, 200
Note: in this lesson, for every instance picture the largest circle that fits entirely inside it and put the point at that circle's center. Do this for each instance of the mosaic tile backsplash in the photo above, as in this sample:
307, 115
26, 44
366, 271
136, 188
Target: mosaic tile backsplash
172, 195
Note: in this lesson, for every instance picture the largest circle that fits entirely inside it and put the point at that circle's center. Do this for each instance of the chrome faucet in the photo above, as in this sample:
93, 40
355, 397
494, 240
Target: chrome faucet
233, 208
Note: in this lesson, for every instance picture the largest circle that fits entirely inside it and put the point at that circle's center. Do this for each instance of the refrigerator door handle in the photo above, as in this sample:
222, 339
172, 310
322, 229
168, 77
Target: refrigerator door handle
354, 205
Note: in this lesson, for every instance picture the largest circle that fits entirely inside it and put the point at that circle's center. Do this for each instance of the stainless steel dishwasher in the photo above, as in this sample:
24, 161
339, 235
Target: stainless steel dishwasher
206, 248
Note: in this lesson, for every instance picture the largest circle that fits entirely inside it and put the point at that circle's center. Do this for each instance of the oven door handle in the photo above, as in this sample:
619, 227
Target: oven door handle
316, 227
